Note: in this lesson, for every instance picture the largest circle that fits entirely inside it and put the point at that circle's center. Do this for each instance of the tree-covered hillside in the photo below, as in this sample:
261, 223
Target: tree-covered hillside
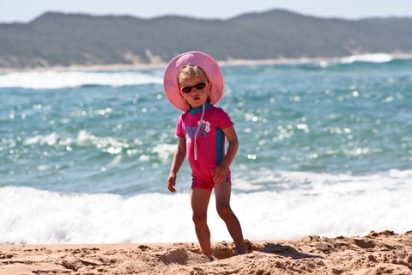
57, 39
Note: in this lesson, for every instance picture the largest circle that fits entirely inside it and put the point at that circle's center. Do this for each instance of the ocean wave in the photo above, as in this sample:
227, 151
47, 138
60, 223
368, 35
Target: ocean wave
72, 79
311, 183
341, 209
322, 204
113, 145
373, 58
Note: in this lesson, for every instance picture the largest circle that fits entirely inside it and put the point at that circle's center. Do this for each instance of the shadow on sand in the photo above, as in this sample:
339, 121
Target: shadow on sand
286, 251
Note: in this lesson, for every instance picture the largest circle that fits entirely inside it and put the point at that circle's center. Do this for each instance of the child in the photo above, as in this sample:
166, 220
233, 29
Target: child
193, 82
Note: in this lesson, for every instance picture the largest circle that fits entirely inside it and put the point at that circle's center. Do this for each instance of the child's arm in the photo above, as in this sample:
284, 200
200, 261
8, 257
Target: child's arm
178, 159
220, 173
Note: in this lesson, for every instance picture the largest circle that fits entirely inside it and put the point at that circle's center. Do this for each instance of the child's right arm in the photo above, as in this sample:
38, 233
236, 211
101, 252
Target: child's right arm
178, 159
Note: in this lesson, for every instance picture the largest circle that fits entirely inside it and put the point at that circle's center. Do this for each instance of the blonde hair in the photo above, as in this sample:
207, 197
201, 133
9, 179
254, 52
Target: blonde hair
188, 71
191, 70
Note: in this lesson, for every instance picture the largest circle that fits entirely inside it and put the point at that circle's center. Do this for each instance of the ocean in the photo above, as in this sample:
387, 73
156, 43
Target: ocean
325, 149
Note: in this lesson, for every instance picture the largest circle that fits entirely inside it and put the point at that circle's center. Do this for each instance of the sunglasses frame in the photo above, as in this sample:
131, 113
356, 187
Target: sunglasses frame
194, 86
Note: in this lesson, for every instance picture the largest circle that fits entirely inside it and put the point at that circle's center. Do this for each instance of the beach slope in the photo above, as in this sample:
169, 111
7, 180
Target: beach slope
377, 253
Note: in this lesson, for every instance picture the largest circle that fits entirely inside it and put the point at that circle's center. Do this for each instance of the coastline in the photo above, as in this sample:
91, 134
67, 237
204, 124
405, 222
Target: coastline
160, 65
377, 253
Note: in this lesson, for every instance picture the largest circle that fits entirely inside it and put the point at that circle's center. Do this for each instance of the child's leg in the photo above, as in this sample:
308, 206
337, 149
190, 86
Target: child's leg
200, 201
222, 193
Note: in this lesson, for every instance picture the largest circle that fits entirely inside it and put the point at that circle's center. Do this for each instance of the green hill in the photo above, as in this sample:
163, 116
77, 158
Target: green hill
57, 39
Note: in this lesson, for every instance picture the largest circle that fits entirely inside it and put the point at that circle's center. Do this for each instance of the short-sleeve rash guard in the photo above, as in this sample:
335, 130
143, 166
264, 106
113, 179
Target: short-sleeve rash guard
210, 139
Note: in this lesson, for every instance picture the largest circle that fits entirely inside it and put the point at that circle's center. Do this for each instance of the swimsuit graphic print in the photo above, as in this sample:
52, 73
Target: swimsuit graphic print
191, 130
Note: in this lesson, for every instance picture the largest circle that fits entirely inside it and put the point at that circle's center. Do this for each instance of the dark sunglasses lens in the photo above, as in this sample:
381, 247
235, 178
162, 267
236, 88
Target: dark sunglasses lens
200, 86
187, 90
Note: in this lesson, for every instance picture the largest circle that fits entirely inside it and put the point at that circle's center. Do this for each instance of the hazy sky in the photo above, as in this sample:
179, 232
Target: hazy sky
27, 10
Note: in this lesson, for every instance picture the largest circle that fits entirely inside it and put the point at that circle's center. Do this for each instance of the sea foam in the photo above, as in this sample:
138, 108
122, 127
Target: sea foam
58, 80
328, 205
375, 58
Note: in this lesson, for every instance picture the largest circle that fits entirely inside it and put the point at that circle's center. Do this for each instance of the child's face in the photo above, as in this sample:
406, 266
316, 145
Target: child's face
196, 98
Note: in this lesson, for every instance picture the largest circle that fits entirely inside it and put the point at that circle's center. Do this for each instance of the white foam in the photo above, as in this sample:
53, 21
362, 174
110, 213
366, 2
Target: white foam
33, 216
109, 144
374, 58
308, 204
57, 80
50, 139
113, 146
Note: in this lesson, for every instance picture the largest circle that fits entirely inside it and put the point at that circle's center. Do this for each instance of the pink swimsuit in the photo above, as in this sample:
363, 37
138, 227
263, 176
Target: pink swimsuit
210, 142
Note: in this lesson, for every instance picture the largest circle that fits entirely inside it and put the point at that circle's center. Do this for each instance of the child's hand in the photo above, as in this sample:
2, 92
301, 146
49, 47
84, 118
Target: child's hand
220, 173
171, 182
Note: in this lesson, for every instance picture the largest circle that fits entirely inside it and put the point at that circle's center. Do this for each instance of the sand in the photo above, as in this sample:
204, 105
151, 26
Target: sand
377, 253
162, 64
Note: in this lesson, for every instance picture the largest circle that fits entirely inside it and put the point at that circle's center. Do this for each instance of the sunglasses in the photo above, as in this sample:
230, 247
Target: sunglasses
199, 86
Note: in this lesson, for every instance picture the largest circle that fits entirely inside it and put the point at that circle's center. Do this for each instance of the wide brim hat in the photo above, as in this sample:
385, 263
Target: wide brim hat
204, 61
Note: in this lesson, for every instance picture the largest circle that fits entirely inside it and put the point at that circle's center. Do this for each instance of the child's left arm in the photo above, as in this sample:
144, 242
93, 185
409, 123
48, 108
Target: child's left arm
220, 173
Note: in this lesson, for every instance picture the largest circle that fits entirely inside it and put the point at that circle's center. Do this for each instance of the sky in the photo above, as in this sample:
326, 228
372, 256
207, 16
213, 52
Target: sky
24, 11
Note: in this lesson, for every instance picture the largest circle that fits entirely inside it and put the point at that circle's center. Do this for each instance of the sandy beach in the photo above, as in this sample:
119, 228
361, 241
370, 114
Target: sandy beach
41, 213
377, 253
163, 64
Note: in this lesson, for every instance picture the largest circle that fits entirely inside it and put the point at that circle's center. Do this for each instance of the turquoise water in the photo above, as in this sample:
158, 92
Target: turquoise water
335, 130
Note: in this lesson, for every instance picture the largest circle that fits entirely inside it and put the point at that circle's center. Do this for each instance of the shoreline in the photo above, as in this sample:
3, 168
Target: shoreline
376, 253
160, 65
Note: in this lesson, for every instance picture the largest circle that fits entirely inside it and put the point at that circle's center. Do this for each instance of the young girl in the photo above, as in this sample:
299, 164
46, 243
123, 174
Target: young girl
193, 82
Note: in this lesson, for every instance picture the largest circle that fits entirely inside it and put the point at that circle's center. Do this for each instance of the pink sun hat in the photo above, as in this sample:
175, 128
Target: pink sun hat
204, 61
